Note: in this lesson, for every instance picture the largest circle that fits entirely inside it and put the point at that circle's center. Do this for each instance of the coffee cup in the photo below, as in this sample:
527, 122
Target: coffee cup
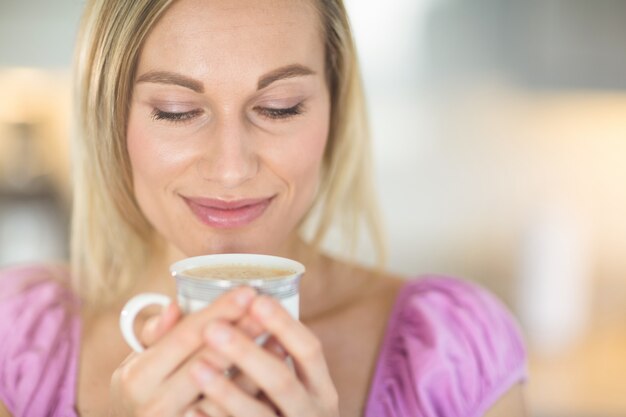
201, 279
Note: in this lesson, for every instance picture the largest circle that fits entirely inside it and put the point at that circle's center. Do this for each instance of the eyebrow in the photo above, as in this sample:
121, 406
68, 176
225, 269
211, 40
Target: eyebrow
173, 78
289, 71
166, 77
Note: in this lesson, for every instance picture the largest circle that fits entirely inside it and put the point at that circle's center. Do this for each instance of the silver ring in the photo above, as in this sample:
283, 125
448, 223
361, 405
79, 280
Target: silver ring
231, 372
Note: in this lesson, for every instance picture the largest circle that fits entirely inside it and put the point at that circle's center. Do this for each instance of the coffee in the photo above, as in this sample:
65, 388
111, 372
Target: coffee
237, 272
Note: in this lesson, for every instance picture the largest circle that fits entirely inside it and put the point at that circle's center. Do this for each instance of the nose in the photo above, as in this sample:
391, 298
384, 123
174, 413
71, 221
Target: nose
230, 159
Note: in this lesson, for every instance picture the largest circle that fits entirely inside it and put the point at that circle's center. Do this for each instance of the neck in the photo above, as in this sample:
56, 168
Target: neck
327, 283
316, 284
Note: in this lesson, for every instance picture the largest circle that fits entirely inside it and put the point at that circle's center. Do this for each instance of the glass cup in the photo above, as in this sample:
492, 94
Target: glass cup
201, 279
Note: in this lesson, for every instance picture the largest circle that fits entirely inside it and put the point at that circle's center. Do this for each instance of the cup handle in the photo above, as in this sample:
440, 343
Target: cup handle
130, 311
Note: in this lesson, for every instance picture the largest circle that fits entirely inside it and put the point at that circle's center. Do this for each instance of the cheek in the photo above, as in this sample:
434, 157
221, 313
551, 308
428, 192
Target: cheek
154, 161
156, 164
305, 159
144, 161
140, 153
309, 157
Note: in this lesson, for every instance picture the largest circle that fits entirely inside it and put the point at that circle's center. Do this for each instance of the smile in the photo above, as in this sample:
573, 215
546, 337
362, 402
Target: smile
221, 214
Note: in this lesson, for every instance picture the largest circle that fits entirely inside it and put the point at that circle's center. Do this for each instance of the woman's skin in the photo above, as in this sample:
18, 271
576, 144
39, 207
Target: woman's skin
348, 324
231, 104
250, 122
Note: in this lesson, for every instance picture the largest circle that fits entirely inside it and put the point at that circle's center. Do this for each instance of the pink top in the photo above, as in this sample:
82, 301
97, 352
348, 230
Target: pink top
39, 342
450, 349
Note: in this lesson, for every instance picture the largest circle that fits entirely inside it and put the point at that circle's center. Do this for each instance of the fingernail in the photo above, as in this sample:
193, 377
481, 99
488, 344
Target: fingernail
163, 316
168, 311
264, 307
219, 333
203, 374
244, 296
152, 325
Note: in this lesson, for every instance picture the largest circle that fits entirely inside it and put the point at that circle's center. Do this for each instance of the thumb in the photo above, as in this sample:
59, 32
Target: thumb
158, 325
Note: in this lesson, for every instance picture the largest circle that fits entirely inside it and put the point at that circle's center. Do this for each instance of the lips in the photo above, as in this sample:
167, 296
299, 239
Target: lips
222, 214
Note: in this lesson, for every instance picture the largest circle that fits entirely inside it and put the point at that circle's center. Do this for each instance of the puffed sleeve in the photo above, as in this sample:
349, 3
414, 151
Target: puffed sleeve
451, 349
39, 343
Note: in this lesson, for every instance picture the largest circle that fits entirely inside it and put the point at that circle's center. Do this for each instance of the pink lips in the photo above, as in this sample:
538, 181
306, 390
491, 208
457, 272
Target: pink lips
222, 214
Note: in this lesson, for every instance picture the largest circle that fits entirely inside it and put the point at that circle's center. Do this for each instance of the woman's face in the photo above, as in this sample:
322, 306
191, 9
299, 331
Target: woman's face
228, 123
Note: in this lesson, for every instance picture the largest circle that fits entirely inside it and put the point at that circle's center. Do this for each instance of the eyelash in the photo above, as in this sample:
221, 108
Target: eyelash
266, 112
272, 113
175, 117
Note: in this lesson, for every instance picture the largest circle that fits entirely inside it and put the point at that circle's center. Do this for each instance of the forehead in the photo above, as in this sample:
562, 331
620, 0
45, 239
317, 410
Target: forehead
204, 38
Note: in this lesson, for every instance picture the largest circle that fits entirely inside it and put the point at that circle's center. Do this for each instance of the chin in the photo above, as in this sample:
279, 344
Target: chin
226, 245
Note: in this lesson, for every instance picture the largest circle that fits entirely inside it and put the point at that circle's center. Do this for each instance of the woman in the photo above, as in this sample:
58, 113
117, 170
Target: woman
227, 126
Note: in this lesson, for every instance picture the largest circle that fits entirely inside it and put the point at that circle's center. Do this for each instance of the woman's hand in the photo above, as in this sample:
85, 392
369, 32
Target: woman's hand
159, 325
158, 381
309, 391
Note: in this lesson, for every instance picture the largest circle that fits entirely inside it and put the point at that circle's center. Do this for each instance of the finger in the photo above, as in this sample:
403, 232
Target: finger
153, 365
250, 327
273, 346
176, 393
206, 407
264, 399
195, 412
253, 330
158, 325
223, 364
261, 337
171, 316
227, 395
300, 343
172, 397
270, 373
162, 402
149, 331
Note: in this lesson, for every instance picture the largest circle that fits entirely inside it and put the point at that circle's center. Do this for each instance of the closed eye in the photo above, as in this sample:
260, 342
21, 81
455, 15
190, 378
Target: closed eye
158, 114
280, 113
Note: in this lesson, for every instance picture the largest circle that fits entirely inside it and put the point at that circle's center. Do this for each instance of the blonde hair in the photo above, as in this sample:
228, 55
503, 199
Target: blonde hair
111, 239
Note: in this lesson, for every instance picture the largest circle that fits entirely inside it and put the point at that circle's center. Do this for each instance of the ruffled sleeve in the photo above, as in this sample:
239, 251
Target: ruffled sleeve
39, 342
451, 349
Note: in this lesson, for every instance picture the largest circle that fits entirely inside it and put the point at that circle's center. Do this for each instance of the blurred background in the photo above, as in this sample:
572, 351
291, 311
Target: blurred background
500, 147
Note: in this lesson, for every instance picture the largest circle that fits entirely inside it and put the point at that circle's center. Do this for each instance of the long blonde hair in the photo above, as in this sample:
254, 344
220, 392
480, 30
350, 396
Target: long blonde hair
111, 239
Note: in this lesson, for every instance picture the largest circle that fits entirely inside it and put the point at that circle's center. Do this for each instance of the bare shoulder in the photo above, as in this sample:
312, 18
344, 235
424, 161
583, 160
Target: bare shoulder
377, 287
383, 282
352, 291
362, 275
511, 404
